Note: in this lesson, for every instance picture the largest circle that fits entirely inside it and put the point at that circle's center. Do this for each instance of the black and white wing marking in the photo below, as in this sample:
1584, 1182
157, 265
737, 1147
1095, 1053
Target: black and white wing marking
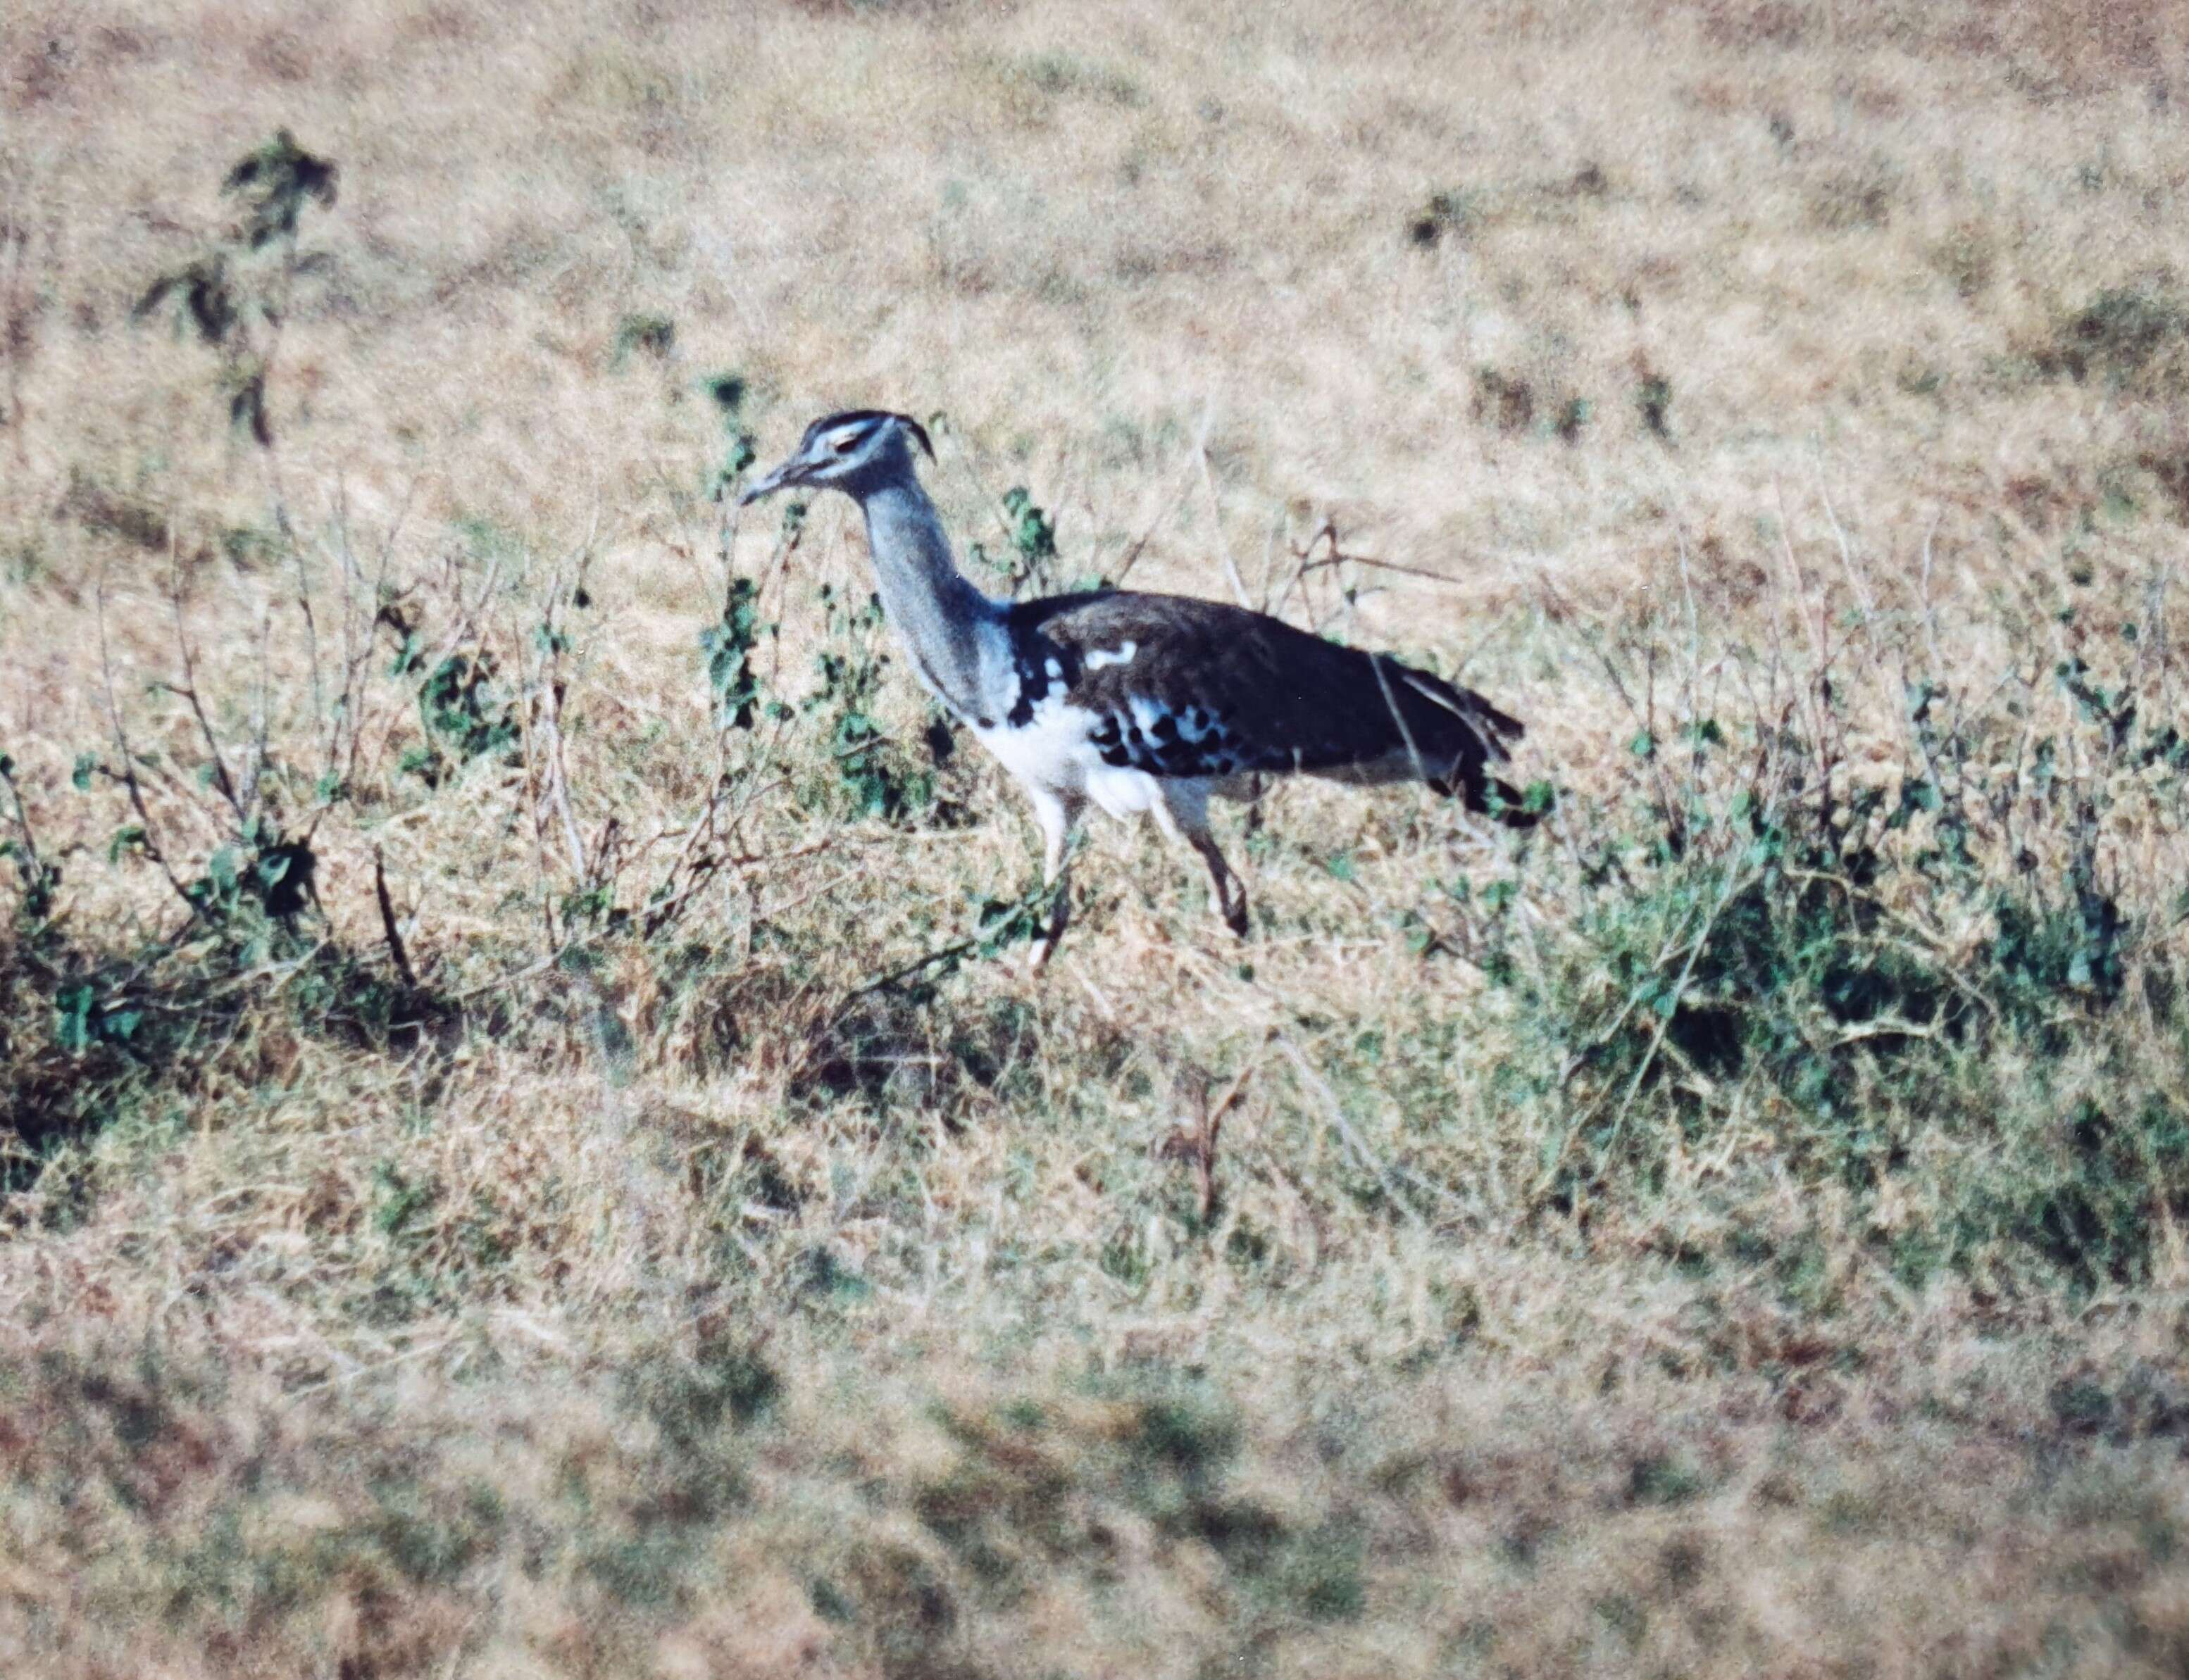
1181, 687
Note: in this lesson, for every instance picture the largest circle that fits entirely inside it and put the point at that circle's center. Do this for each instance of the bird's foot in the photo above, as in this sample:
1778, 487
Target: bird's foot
1233, 914
1044, 944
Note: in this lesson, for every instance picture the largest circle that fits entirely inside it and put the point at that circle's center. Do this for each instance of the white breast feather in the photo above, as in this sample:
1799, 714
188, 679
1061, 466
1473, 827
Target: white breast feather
1052, 752
1121, 792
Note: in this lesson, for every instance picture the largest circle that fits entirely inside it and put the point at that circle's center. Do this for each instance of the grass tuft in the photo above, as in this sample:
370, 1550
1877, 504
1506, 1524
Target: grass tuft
526, 1142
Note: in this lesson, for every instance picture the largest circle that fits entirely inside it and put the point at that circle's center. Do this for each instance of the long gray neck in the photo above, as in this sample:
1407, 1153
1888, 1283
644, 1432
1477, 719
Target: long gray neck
945, 622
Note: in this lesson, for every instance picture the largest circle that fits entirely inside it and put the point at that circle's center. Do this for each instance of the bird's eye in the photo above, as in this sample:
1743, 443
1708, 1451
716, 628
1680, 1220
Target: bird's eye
847, 444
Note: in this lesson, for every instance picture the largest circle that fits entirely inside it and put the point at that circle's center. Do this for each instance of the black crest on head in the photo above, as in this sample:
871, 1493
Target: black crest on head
865, 416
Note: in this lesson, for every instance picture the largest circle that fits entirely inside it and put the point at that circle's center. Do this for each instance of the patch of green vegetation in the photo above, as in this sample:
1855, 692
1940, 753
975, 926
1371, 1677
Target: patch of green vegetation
234, 301
1787, 948
643, 335
1065, 76
869, 773
2129, 335
1661, 1478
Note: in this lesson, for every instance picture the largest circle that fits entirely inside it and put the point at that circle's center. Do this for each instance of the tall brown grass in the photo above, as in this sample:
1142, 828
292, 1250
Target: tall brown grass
529, 1151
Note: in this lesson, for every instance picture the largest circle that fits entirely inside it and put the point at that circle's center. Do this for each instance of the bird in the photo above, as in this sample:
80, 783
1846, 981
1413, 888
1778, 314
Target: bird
1136, 702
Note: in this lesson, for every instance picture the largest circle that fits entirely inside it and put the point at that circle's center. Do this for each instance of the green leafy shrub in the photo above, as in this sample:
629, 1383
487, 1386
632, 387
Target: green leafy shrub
235, 302
1905, 993
870, 773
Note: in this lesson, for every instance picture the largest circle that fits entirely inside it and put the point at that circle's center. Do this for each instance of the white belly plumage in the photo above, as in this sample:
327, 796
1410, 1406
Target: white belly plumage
1052, 753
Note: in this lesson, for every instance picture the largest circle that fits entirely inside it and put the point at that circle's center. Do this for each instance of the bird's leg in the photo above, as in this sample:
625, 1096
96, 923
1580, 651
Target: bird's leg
1055, 813
1182, 813
1229, 891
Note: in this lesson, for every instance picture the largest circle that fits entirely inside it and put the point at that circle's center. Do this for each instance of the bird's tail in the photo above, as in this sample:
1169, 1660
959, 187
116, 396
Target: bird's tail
1460, 729
1458, 718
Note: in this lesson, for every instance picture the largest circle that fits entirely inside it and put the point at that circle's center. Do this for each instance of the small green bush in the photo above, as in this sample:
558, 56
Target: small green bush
1871, 972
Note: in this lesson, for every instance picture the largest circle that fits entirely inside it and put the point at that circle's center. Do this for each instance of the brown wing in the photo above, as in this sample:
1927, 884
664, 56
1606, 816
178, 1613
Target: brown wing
1182, 687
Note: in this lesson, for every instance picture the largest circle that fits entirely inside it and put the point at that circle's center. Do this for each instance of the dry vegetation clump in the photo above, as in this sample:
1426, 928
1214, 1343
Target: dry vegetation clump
523, 1148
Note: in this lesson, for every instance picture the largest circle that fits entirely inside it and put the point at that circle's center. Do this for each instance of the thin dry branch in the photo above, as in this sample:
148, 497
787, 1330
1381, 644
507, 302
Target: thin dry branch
1216, 510
188, 690
389, 930
149, 838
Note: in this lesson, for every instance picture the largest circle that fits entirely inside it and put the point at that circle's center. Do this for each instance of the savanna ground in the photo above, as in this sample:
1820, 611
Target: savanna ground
530, 1152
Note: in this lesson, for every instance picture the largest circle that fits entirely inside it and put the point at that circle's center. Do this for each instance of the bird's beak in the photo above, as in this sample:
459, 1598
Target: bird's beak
769, 483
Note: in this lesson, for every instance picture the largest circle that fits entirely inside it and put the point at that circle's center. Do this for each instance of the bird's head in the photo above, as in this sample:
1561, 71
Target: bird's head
847, 452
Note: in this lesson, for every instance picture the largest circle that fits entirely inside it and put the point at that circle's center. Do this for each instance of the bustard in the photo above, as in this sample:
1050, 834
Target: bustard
1139, 702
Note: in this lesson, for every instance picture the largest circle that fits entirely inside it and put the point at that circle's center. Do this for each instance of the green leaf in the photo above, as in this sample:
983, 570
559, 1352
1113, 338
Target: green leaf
728, 644
72, 1007
86, 763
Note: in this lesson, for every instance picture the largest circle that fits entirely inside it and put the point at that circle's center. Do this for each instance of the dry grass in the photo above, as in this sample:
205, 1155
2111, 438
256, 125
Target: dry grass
1735, 1231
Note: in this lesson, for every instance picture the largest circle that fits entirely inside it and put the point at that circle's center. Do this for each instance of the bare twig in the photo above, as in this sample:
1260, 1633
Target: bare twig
126, 757
387, 927
559, 776
17, 337
944, 424
189, 691
261, 715
1216, 510
1139, 544
1198, 1146
1376, 662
